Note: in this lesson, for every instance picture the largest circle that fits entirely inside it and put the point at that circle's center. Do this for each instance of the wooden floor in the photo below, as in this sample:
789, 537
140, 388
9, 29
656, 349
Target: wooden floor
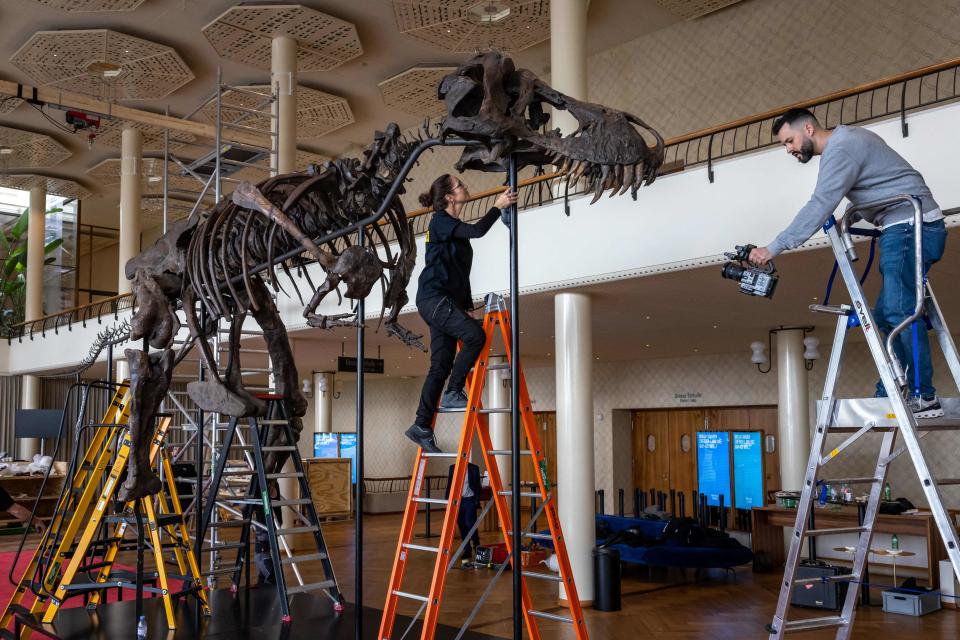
662, 605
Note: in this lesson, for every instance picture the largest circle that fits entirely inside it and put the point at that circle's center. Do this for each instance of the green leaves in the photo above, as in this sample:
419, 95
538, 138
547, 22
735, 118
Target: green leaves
13, 266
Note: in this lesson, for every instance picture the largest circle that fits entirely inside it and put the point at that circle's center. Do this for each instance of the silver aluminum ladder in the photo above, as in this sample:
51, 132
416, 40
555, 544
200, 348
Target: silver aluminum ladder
890, 417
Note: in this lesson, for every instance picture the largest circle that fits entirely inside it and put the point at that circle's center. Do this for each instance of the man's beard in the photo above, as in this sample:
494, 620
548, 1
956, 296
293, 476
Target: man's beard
806, 151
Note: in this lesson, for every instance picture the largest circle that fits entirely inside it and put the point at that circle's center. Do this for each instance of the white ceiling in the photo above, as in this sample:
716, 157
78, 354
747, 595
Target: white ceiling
178, 24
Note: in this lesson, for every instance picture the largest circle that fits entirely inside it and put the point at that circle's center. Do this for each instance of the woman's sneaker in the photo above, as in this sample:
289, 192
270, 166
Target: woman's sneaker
925, 407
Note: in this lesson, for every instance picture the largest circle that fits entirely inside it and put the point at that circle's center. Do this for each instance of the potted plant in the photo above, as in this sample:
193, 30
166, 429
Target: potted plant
13, 268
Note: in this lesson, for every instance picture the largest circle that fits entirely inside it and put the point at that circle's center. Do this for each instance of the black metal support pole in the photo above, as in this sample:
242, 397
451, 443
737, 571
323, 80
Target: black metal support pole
602, 497
110, 364
515, 400
683, 504
643, 501
673, 502
722, 514
138, 513
620, 501
636, 501
358, 499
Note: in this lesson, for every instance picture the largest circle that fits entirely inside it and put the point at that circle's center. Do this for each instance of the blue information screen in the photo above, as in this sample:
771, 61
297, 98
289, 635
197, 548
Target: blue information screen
748, 469
325, 445
348, 449
713, 466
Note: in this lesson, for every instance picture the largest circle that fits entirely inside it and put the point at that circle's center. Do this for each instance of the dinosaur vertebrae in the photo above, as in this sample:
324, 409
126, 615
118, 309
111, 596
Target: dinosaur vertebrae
235, 243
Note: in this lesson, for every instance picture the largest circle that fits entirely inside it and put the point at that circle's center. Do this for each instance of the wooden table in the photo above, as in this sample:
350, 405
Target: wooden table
24, 490
769, 522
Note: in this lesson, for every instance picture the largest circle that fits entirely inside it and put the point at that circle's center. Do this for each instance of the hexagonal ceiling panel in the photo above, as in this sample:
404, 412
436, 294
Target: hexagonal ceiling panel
151, 208
54, 186
103, 63
464, 26
318, 112
691, 9
415, 90
245, 34
91, 5
107, 173
9, 103
20, 149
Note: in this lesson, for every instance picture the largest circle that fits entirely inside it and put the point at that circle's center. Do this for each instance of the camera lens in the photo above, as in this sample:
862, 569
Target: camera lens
732, 271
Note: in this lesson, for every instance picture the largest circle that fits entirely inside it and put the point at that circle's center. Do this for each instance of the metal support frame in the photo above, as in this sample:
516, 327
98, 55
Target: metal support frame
891, 417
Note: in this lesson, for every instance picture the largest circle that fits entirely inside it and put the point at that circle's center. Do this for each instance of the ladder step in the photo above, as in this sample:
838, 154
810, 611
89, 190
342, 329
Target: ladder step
420, 547
301, 588
496, 410
439, 455
237, 472
304, 558
550, 616
268, 422
535, 536
542, 576
507, 452
500, 366
292, 502
837, 531
431, 500
222, 547
291, 530
229, 523
852, 481
442, 410
811, 624
411, 596
848, 577
523, 494
218, 572
286, 447
286, 474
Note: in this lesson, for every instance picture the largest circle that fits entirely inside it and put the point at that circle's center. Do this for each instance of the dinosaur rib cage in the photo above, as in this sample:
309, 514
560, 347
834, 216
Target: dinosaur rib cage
233, 241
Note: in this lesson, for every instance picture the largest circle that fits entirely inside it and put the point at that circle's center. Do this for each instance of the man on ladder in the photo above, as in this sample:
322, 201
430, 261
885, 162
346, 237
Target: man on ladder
857, 164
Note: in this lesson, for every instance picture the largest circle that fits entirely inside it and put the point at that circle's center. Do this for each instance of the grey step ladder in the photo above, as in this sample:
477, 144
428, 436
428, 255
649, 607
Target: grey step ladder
890, 417
257, 498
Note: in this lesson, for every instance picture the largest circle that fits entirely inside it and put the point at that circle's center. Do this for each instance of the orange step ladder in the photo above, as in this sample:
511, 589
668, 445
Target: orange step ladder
496, 320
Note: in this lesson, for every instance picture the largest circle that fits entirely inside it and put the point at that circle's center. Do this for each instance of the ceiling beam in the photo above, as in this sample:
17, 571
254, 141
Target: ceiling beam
89, 104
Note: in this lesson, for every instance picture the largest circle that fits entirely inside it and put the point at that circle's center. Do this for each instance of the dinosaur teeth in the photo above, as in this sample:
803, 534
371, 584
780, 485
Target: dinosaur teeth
617, 179
598, 184
627, 179
566, 165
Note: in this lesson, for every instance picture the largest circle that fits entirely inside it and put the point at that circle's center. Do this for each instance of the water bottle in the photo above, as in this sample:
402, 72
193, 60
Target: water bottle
895, 543
142, 627
887, 494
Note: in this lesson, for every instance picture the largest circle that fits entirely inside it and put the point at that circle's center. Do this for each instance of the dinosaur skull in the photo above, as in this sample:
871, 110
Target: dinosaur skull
489, 100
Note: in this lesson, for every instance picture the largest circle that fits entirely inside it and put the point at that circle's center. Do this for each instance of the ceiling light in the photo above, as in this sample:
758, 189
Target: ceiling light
155, 179
490, 13
5, 151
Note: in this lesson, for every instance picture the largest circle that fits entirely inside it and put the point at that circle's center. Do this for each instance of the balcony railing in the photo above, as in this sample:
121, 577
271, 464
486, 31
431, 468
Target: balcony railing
896, 95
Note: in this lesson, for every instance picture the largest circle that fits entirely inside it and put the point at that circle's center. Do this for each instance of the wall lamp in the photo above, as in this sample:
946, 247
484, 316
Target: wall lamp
759, 351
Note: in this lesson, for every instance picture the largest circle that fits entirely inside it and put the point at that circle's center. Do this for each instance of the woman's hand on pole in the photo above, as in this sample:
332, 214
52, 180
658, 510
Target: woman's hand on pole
505, 199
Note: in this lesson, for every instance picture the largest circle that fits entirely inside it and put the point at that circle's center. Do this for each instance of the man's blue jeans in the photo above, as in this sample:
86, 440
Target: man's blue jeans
897, 297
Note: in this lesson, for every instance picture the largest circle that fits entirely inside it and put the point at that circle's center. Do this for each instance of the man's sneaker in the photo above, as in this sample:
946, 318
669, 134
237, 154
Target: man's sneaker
453, 399
423, 437
925, 407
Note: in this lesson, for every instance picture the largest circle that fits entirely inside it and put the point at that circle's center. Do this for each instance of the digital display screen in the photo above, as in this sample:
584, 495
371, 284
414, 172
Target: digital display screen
348, 449
748, 469
713, 466
325, 445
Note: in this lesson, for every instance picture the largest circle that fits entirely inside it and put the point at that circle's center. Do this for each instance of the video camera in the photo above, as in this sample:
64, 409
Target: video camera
754, 281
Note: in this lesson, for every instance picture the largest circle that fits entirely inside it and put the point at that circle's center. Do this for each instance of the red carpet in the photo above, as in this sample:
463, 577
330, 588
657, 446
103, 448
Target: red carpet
7, 589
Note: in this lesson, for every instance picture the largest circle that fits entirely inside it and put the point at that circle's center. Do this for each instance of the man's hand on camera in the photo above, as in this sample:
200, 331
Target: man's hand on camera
760, 256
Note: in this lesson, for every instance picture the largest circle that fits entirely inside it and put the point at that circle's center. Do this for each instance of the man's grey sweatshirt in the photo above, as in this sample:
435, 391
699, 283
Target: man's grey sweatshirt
858, 164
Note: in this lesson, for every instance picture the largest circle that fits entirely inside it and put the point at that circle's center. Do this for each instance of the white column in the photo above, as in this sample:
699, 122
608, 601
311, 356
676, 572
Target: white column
793, 412
33, 303
131, 152
283, 73
575, 475
323, 401
498, 384
568, 56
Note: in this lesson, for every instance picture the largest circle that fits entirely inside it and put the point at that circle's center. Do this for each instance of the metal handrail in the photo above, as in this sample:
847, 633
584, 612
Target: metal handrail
899, 94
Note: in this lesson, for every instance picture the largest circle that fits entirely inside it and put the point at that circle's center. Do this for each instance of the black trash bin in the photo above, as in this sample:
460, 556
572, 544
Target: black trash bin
606, 579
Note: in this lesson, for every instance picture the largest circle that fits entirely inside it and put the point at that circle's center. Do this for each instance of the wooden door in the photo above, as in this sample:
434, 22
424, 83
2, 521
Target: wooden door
684, 424
651, 451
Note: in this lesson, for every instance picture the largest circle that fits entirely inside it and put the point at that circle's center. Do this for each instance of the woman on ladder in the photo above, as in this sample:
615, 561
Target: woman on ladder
444, 300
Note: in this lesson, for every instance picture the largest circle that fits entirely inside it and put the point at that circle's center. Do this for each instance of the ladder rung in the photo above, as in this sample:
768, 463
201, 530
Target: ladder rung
304, 558
273, 421
498, 367
289, 502
841, 578
439, 455
218, 572
285, 447
523, 494
837, 531
945, 481
442, 410
431, 500
229, 523
411, 596
222, 547
286, 532
284, 474
852, 481
420, 547
811, 624
542, 576
300, 588
496, 410
237, 472
507, 452
550, 616
536, 536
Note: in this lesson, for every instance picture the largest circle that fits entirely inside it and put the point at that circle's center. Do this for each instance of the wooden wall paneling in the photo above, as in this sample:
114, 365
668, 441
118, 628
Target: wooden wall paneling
683, 464
651, 469
764, 419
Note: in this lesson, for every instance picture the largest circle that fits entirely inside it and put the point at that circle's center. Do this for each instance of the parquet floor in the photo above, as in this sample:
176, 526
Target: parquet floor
662, 605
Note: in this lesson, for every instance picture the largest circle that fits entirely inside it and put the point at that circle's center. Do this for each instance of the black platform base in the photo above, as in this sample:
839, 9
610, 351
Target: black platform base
246, 615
